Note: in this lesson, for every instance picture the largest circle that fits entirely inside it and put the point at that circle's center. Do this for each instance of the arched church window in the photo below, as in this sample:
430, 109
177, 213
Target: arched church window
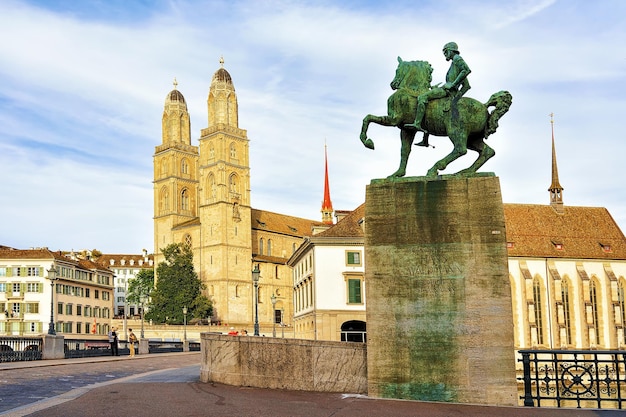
537, 298
164, 201
184, 166
269, 247
565, 296
184, 200
211, 187
233, 151
261, 246
593, 298
233, 183
163, 168
622, 305
212, 152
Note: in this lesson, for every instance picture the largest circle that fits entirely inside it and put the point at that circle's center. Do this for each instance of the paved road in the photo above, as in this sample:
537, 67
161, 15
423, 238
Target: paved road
47, 379
168, 385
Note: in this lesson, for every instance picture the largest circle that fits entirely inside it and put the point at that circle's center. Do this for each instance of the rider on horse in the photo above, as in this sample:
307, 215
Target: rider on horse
455, 78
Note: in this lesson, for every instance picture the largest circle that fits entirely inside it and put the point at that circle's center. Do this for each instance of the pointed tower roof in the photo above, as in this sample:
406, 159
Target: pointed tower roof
222, 76
176, 125
556, 191
175, 96
222, 100
327, 205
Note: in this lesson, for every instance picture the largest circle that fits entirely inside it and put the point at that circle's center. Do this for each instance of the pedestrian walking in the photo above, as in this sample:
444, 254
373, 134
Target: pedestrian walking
131, 342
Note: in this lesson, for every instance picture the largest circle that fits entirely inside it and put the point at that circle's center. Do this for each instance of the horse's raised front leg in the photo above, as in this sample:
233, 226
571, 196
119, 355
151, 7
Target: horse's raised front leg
370, 118
364, 139
406, 137
460, 149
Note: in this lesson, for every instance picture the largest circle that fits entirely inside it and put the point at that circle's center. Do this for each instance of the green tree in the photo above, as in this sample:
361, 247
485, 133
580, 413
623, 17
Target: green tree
140, 288
177, 286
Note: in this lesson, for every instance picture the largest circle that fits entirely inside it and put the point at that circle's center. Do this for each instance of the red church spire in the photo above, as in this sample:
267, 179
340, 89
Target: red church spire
327, 205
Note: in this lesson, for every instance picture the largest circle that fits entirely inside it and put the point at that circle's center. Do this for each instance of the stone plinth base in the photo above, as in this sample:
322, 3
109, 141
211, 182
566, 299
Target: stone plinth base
439, 313
53, 347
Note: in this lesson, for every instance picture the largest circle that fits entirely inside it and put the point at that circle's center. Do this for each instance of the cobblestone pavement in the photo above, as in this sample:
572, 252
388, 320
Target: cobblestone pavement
23, 386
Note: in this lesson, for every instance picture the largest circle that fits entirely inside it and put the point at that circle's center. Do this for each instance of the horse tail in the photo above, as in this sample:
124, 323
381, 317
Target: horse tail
502, 102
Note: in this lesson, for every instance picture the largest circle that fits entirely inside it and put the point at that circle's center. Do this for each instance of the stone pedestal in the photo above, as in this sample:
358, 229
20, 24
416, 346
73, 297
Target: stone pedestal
439, 313
53, 347
144, 346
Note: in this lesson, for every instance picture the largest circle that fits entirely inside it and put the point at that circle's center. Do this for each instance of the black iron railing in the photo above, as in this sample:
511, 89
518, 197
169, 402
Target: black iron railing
13, 349
574, 378
86, 348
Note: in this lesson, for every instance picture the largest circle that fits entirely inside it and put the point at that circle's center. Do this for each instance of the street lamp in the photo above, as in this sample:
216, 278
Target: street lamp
185, 323
282, 322
52, 276
256, 274
273, 298
141, 300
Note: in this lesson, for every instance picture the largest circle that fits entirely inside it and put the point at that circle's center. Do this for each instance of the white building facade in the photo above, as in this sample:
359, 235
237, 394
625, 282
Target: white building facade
80, 296
329, 285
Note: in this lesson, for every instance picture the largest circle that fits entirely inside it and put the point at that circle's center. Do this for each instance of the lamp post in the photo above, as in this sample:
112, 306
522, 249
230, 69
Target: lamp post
52, 276
273, 298
256, 274
282, 322
142, 314
185, 323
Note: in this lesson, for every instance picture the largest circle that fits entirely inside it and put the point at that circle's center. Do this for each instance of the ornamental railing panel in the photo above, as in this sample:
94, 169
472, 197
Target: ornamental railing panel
574, 378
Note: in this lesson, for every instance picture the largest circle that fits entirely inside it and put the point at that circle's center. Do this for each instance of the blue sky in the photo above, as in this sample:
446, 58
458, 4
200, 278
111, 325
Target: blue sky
84, 85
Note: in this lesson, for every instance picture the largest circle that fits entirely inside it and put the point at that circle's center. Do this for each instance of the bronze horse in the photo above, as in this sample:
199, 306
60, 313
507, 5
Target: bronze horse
467, 122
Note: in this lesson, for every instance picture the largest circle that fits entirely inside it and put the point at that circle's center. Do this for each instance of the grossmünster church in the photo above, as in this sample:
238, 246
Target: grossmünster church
202, 198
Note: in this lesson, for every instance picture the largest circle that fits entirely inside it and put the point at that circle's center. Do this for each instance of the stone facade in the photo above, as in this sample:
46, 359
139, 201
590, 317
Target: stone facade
202, 198
439, 321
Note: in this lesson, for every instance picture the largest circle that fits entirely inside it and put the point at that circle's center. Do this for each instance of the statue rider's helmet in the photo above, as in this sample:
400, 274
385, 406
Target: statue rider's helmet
451, 46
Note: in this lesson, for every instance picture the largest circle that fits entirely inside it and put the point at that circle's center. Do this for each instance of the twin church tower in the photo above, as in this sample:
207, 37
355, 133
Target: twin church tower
202, 199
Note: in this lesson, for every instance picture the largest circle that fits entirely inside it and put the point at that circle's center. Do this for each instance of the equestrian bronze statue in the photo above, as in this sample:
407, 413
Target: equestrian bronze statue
466, 121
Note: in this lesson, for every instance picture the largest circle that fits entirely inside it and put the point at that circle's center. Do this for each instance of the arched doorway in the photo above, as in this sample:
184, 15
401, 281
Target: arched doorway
353, 331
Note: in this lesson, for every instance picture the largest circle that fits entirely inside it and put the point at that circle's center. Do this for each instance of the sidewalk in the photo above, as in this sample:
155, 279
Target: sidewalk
176, 391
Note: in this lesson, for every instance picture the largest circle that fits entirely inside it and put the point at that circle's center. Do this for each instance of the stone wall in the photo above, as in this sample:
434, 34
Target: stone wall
293, 364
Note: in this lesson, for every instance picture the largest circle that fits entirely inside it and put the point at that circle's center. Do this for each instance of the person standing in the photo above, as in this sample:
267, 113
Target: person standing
113, 341
131, 342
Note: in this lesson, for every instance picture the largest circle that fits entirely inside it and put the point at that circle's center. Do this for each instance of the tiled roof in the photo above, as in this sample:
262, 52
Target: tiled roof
281, 223
188, 223
105, 260
42, 253
580, 232
270, 259
349, 226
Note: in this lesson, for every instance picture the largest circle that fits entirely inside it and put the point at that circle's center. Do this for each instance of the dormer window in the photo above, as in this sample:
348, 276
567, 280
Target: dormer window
606, 247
